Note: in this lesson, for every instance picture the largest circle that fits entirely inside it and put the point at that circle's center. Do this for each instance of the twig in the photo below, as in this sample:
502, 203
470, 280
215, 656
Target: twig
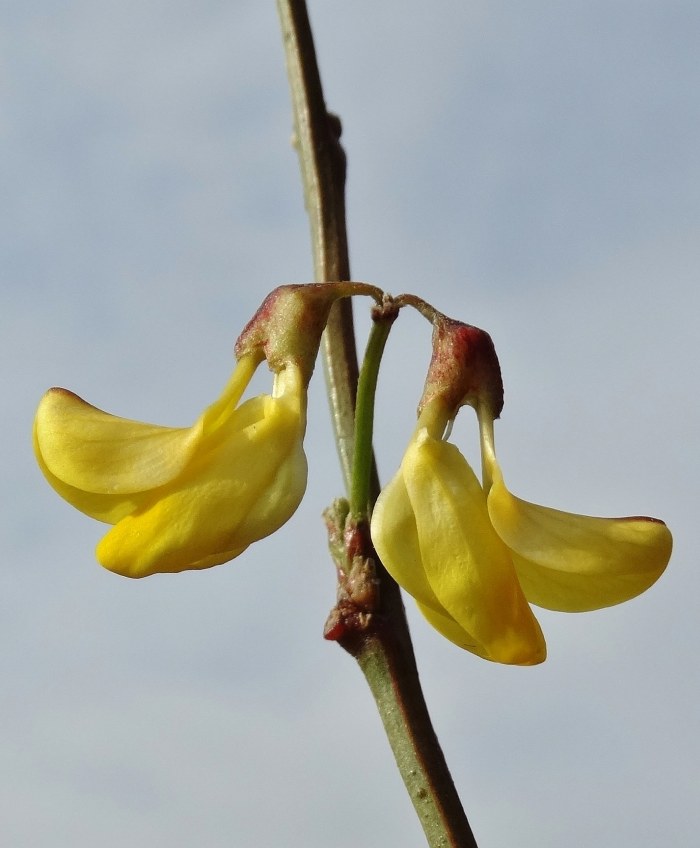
378, 639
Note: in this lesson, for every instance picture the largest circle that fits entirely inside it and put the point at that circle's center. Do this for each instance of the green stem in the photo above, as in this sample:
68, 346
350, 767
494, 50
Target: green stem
382, 646
388, 667
363, 458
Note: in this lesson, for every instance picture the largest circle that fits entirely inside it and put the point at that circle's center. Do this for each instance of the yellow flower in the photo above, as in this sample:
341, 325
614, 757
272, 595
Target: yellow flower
473, 556
180, 498
190, 498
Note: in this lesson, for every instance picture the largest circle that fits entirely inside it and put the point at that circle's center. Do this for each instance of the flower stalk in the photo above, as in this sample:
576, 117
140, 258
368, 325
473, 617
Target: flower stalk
363, 458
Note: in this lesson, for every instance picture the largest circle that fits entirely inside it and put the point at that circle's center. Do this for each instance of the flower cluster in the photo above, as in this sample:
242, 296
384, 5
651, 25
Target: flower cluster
472, 555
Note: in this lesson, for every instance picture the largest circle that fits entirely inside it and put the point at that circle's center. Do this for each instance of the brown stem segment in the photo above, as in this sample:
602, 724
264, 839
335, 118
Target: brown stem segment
322, 160
369, 620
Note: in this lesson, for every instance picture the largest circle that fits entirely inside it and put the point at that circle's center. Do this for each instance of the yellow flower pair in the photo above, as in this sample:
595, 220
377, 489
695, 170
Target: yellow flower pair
473, 556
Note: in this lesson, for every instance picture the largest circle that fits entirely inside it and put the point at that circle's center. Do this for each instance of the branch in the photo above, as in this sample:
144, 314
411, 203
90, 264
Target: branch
379, 639
322, 160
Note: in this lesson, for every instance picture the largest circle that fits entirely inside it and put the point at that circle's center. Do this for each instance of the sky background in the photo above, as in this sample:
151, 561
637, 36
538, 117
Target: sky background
532, 168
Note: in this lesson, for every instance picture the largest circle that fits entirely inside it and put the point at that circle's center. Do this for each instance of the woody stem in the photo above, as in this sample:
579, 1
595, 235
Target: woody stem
322, 161
383, 650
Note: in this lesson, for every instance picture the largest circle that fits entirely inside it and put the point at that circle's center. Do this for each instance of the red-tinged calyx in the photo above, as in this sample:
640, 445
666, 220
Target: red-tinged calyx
464, 369
288, 326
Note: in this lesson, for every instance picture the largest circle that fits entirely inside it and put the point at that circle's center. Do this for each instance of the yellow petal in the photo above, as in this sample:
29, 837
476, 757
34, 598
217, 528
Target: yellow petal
395, 538
243, 487
98, 452
105, 465
575, 563
467, 566
448, 627
108, 508
218, 412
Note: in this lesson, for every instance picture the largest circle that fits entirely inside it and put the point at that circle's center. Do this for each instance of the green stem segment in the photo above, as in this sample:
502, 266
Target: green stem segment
382, 646
363, 457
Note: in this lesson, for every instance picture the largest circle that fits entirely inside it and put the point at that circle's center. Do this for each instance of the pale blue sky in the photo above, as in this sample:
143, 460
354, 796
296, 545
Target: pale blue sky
532, 168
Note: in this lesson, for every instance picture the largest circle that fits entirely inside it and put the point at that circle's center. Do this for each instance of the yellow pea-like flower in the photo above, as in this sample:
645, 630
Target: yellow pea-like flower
194, 497
474, 557
180, 498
